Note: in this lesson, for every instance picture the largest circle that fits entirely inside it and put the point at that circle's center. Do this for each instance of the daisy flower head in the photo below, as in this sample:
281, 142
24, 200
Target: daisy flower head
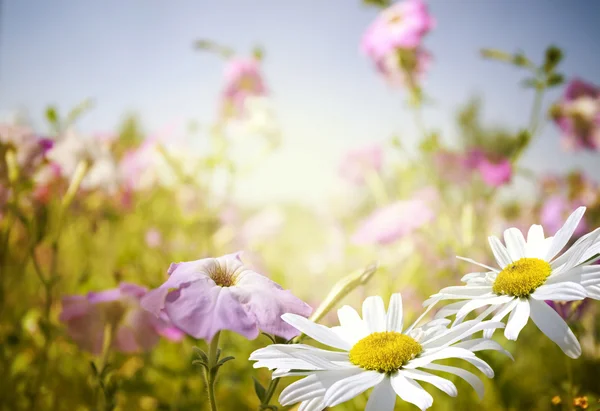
530, 272
375, 351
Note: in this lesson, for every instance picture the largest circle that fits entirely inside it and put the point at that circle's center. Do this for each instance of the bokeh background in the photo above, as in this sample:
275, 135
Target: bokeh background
324, 170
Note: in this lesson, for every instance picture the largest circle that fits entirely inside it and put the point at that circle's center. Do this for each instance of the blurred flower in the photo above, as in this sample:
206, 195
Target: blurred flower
376, 352
243, 79
452, 166
401, 26
569, 310
206, 296
135, 329
29, 149
71, 149
553, 213
578, 116
581, 402
531, 272
357, 163
153, 238
393, 222
495, 174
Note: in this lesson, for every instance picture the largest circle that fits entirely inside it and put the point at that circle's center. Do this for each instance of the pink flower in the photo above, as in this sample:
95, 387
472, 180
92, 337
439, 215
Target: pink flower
401, 26
358, 162
554, 212
395, 221
135, 329
578, 116
243, 79
30, 150
206, 296
495, 174
153, 238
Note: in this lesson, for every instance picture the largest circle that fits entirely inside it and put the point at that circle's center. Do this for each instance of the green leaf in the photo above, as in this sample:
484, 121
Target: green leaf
94, 368
201, 354
52, 115
258, 53
259, 389
79, 110
530, 82
377, 3
555, 79
520, 60
494, 54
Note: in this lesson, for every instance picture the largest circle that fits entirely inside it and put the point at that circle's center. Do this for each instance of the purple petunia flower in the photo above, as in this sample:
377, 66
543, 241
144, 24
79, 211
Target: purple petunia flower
135, 329
206, 296
578, 116
243, 79
495, 174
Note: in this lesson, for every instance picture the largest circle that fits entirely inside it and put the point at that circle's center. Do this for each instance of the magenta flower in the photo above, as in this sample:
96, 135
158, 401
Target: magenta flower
395, 221
578, 116
30, 150
206, 296
401, 26
358, 162
243, 79
570, 310
495, 174
135, 329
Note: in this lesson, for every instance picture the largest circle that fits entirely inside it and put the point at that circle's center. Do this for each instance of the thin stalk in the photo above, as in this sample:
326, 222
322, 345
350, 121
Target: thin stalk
211, 372
269, 393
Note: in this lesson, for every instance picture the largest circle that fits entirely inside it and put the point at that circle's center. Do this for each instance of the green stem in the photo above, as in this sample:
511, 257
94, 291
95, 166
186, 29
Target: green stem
269, 393
570, 396
211, 372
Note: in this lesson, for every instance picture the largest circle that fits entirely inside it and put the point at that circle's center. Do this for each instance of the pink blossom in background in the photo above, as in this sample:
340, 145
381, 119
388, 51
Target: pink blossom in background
135, 329
578, 116
393, 222
30, 150
401, 26
554, 212
243, 79
570, 310
495, 173
360, 161
453, 166
153, 238
206, 296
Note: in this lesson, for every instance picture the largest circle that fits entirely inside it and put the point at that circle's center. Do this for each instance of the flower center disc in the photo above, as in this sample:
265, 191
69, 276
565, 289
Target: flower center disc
384, 351
221, 277
522, 277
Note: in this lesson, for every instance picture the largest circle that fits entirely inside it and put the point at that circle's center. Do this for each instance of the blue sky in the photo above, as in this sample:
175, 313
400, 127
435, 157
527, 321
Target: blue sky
137, 56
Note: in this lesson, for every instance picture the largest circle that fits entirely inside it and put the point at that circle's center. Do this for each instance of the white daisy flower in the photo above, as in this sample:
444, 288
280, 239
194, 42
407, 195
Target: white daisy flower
530, 273
375, 352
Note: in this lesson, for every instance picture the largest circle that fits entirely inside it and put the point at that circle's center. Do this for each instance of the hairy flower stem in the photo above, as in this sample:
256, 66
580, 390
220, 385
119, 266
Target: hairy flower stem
108, 392
211, 371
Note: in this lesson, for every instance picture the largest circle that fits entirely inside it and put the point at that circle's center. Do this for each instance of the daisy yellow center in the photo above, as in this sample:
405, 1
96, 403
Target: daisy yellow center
522, 277
384, 351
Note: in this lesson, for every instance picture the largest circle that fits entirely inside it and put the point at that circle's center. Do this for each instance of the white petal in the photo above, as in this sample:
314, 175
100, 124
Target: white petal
562, 236
302, 390
482, 302
352, 328
535, 234
450, 309
593, 292
550, 323
517, 320
316, 404
481, 365
349, 317
480, 344
468, 376
473, 276
449, 352
373, 312
515, 243
441, 383
458, 333
383, 397
575, 255
410, 391
470, 260
460, 292
394, 314
348, 388
500, 314
564, 291
500, 252
318, 332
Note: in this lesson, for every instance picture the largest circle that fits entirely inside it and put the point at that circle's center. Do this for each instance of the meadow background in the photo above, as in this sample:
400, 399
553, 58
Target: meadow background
206, 128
